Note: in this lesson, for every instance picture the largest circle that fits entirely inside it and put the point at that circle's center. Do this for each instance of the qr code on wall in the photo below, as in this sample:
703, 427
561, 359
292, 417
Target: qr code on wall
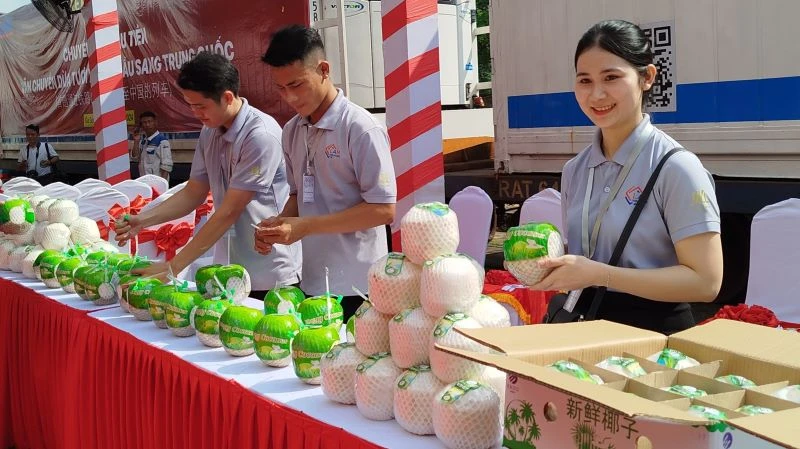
662, 96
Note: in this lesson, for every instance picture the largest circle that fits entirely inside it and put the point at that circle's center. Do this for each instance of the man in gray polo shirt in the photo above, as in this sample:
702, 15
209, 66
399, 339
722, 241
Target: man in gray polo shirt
239, 157
340, 169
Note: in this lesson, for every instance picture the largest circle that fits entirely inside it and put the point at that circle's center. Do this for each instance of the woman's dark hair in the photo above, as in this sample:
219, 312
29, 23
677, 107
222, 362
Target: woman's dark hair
292, 43
210, 74
621, 38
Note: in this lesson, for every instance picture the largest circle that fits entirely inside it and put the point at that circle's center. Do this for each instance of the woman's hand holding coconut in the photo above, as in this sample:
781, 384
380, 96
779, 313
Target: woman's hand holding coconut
571, 272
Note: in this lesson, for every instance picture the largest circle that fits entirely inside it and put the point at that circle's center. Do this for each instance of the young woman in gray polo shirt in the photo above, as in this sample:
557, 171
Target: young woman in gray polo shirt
340, 173
674, 255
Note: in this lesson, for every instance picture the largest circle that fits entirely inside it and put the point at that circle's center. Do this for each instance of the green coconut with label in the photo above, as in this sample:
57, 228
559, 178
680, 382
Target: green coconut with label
338, 372
16, 216
79, 280
47, 269
415, 390
38, 262
526, 245
96, 257
179, 311
204, 279
114, 259
322, 311
285, 299
375, 383
65, 271
467, 401
273, 338
101, 285
237, 329
138, 298
125, 282
234, 278
206, 320
350, 329
157, 302
308, 348
127, 265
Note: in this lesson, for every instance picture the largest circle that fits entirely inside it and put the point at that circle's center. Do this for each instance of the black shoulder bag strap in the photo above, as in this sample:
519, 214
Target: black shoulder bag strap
626, 231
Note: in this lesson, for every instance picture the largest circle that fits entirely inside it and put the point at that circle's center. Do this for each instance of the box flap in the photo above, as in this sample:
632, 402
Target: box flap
760, 343
776, 427
626, 403
587, 340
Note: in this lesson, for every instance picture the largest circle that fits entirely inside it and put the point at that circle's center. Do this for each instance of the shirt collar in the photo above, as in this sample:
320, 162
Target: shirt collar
238, 122
596, 156
153, 136
330, 119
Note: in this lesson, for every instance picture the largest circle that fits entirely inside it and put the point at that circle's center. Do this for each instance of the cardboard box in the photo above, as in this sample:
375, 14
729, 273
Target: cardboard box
548, 409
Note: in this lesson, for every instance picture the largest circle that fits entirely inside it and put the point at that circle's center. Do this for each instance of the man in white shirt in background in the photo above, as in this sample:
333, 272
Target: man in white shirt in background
151, 148
36, 158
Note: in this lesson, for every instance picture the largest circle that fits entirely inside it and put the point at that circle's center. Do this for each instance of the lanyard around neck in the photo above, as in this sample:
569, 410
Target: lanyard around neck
589, 243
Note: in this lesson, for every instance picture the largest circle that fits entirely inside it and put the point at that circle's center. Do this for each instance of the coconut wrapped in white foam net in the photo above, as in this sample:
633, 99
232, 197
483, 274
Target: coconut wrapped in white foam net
83, 231
17, 256
490, 313
372, 330
36, 200
42, 210
410, 333
27, 262
525, 245
393, 283
429, 230
496, 379
55, 236
449, 283
24, 236
6, 248
414, 393
468, 415
374, 390
338, 371
448, 367
63, 211
38, 231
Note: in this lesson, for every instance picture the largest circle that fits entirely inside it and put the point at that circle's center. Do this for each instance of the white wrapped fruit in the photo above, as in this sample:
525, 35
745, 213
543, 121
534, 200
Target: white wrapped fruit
410, 333
527, 244
496, 379
63, 211
674, 359
448, 367
55, 236
372, 330
790, 393
448, 284
42, 210
338, 370
468, 415
24, 237
83, 231
393, 284
38, 231
36, 200
27, 262
490, 313
429, 230
17, 256
624, 366
6, 248
374, 390
414, 393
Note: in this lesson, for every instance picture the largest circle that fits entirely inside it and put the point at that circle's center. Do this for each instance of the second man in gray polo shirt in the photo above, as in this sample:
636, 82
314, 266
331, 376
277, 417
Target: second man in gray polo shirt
239, 158
340, 169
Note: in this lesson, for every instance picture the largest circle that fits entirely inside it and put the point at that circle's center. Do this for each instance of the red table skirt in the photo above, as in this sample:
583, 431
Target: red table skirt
69, 381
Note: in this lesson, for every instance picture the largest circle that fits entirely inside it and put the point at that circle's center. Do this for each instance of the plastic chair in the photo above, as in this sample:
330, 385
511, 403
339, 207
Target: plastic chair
91, 183
474, 209
773, 281
146, 246
60, 191
157, 183
97, 204
20, 186
132, 189
543, 206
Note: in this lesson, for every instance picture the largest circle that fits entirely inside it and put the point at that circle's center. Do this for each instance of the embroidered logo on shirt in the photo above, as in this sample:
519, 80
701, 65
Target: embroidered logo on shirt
384, 179
255, 171
632, 195
332, 151
700, 198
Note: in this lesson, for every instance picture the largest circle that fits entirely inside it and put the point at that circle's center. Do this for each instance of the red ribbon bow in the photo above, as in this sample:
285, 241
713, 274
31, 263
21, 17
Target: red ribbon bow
137, 204
116, 212
203, 209
168, 238
155, 193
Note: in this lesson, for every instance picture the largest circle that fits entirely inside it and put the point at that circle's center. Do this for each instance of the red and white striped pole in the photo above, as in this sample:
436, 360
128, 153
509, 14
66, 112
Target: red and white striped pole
413, 102
108, 100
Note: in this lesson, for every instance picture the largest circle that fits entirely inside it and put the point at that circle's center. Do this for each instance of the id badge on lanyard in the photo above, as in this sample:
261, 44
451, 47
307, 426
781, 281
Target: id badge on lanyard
308, 177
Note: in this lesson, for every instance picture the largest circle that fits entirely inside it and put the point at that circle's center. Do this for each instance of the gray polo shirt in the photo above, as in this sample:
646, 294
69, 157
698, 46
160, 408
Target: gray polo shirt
683, 202
248, 156
351, 162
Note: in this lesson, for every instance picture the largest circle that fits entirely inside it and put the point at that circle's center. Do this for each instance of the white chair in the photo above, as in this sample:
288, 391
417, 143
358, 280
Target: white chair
97, 203
544, 206
91, 183
773, 281
132, 189
20, 186
157, 183
148, 248
474, 209
60, 191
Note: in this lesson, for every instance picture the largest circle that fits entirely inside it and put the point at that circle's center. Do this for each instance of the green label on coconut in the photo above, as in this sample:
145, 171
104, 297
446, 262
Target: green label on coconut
237, 337
410, 375
400, 317
394, 264
458, 390
447, 323
324, 319
175, 316
363, 308
337, 349
371, 361
528, 241
207, 321
307, 364
157, 309
437, 208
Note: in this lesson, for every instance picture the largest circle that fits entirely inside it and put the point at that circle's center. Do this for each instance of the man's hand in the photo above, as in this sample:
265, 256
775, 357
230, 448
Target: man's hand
127, 228
158, 270
280, 230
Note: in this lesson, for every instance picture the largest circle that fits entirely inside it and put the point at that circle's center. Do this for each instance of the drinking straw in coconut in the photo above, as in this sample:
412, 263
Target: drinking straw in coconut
328, 294
360, 293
